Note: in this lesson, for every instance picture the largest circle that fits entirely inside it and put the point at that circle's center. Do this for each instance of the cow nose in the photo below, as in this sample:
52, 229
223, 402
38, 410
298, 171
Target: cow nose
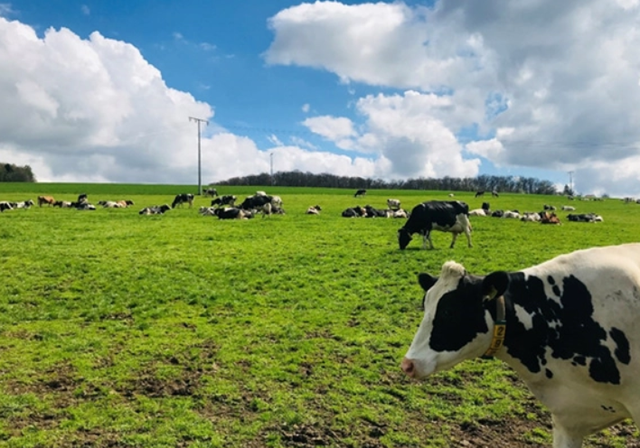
408, 367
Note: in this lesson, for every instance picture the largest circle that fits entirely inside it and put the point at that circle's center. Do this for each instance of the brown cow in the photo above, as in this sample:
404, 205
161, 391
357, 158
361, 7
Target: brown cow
549, 218
46, 200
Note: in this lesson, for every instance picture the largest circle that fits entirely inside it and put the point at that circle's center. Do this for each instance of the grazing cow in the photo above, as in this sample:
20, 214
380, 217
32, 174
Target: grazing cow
568, 208
313, 210
447, 216
155, 210
549, 218
479, 193
585, 217
257, 201
182, 198
227, 199
45, 200
4, 205
232, 213
393, 204
567, 326
360, 193
211, 192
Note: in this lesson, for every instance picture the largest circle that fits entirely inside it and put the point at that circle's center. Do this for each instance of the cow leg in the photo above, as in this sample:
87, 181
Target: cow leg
453, 241
427, 237
468, 234
565, 438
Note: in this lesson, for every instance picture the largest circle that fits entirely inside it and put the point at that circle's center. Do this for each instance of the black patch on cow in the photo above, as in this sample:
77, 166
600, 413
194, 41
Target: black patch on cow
622, 343
562, 328
548, 373
459, 317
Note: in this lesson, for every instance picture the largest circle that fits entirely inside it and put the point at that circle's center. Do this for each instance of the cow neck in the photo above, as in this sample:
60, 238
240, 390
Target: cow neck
499, 329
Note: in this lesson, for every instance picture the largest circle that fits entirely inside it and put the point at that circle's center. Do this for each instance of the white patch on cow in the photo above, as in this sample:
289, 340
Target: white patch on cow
524, 317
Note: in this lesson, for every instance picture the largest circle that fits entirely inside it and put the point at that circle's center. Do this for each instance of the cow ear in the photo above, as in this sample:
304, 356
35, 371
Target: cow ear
426, 281
494, 285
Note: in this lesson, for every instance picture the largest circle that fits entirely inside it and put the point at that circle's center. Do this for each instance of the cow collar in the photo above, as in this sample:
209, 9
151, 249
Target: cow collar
499, 330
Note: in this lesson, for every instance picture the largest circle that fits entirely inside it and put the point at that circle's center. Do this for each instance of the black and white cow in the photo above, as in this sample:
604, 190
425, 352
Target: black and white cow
227, 199
4, 205
447, 216
232, 213
393, 204
182, 198
211, 192
155, 210
570, 331
584, 217
360, 192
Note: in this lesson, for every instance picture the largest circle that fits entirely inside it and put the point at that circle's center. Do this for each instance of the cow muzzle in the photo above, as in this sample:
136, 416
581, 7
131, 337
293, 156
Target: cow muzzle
408, 366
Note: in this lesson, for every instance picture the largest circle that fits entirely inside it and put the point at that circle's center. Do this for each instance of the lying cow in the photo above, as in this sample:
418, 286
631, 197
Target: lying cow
232, 213
313, 210
568, 208
584, 217
182, 198
376, 213
447, 216
354, 212
4, 205
568, 326
62, 204
23, 204
549, 218
155, 210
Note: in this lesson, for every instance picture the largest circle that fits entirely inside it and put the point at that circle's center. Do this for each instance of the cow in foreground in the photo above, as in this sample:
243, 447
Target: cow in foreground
570, 331
447, 216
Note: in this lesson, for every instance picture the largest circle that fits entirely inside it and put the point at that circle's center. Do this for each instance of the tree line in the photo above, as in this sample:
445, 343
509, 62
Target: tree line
14, 173
510, 184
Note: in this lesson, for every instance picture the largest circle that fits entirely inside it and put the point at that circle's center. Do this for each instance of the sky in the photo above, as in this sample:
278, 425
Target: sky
107, 91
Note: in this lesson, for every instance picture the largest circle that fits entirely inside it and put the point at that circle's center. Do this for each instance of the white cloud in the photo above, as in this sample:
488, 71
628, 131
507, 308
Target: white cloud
85, 10
407, 131
333, 128
94, 110
305, 108
275, 140
563, 77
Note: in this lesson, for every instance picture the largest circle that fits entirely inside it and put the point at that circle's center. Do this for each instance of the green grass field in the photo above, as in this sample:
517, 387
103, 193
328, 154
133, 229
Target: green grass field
187, 331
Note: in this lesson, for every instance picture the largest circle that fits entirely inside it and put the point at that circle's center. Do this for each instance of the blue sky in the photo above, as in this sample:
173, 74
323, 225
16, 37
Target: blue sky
392, 90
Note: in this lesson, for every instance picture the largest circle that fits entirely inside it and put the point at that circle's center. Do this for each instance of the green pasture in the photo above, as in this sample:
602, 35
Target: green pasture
179, 330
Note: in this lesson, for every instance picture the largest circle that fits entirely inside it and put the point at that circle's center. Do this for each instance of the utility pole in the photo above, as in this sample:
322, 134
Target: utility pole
199, 120
571, 180
271, 157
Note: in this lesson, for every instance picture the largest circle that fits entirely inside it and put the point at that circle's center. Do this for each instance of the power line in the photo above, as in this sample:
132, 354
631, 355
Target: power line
199, 120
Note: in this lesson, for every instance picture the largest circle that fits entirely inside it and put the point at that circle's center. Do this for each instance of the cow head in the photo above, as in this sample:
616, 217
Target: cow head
404, 237
457, 324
